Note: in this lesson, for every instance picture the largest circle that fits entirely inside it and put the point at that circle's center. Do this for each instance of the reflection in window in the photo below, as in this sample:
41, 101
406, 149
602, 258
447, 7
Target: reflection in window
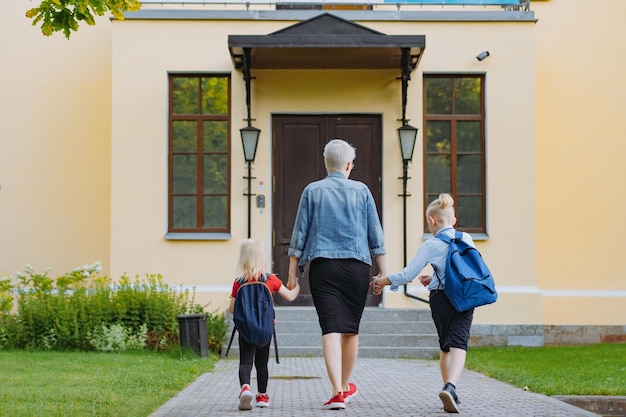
199, 147
454, 145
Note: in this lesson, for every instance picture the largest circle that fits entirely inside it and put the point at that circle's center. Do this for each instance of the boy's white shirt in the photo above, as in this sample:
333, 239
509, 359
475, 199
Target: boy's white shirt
434, 251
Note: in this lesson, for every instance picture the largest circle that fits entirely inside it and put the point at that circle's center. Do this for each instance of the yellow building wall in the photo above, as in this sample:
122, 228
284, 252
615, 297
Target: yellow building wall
510, 152
143, 53
140, 143
55, 136
83, 150
580, 150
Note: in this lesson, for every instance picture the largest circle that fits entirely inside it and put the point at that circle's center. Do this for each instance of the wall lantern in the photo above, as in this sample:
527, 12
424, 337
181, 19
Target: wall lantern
407, 135
249, 140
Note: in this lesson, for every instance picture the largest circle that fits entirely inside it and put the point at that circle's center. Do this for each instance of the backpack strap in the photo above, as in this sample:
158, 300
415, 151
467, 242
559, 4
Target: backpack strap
448, 240
242, 279
263, 278
276, 345
444, 237
439, 286
232, 336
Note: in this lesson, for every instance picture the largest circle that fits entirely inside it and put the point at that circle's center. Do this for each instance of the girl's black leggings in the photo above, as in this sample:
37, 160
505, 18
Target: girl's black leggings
259, 356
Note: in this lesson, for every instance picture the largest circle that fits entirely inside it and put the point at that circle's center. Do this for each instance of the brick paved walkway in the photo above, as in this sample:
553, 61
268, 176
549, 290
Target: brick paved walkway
298, 387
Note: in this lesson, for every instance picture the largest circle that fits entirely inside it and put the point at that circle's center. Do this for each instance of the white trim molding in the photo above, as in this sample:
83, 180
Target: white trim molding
205, 289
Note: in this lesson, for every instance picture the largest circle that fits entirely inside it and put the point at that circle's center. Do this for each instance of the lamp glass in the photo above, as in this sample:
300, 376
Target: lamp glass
407, 135
250, 140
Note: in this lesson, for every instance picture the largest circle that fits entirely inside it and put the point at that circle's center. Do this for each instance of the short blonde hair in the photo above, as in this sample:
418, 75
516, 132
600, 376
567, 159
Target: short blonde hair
337, 153
253, 259
442, 209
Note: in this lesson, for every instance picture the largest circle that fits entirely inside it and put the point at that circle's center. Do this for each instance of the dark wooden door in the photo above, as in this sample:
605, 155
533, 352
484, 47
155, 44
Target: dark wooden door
297, 147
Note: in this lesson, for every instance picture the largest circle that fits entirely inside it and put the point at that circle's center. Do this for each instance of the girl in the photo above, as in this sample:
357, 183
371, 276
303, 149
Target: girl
253, 261
453, 327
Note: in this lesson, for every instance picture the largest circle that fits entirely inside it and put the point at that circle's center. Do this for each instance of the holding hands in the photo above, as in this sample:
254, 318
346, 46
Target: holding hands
292, 282
378, 282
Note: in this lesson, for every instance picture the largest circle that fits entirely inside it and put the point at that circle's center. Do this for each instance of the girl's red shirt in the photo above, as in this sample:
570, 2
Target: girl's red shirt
273, 283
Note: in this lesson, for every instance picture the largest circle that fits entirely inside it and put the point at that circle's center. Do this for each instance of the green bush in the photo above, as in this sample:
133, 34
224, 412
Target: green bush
116, 338
85, 311
216, 330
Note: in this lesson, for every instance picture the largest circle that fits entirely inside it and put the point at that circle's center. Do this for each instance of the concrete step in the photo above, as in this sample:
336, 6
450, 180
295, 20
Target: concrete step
385, 333
367, 327
369, 314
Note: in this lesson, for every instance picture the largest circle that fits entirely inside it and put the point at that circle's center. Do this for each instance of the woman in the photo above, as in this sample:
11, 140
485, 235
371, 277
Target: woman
336, 227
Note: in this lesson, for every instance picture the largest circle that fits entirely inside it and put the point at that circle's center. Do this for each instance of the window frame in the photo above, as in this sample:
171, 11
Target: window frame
454, 119
199, 232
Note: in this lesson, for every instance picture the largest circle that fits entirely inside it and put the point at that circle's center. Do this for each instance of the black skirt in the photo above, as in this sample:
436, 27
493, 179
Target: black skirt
339, 289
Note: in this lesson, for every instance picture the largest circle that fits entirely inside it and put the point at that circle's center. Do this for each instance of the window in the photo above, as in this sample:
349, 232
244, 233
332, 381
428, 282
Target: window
199, 153
454, 145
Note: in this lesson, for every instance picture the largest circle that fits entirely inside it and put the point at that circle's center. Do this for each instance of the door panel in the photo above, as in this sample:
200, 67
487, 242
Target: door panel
298, 143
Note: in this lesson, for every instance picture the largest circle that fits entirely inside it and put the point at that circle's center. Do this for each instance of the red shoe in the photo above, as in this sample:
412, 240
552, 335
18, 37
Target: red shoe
262, 400
351, 393
245, 399
335, 403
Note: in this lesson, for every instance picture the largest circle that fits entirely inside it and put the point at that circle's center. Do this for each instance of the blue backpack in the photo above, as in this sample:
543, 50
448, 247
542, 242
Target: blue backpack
469, 282
253, 314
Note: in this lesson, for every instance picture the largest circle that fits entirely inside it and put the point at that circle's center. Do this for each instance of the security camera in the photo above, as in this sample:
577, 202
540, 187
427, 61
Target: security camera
482, 55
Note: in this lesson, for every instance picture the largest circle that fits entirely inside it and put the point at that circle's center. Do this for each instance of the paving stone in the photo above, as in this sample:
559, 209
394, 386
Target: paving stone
299, 386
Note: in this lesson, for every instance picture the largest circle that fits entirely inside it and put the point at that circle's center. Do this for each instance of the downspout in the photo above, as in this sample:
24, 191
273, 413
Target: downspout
406, 76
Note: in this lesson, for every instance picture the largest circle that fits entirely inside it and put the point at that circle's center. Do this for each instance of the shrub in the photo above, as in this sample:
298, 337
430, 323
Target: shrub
6, 296
82, 310
216, 330
116, 338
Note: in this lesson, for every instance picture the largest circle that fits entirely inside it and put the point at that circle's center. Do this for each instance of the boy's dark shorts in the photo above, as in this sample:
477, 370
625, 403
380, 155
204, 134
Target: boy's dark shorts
453, 327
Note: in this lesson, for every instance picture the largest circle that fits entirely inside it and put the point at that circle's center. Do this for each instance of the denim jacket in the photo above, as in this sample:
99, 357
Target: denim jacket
336, 219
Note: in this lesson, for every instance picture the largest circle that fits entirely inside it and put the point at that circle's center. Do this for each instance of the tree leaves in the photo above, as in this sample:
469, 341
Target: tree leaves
65, 15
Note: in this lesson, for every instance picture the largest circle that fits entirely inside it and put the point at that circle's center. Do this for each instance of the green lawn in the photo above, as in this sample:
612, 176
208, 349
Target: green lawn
82, 384
560, 370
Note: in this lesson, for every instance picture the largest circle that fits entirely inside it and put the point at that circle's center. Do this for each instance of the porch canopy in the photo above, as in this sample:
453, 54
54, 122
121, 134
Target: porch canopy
326, 42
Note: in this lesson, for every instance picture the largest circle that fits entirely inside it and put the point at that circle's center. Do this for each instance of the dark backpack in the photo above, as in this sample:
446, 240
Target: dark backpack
469, 282
253, 314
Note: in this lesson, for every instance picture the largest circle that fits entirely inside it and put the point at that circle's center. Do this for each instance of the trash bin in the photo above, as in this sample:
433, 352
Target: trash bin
193, 333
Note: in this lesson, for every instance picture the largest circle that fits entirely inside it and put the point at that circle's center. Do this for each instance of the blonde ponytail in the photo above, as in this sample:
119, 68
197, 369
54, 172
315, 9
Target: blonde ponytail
442, 209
